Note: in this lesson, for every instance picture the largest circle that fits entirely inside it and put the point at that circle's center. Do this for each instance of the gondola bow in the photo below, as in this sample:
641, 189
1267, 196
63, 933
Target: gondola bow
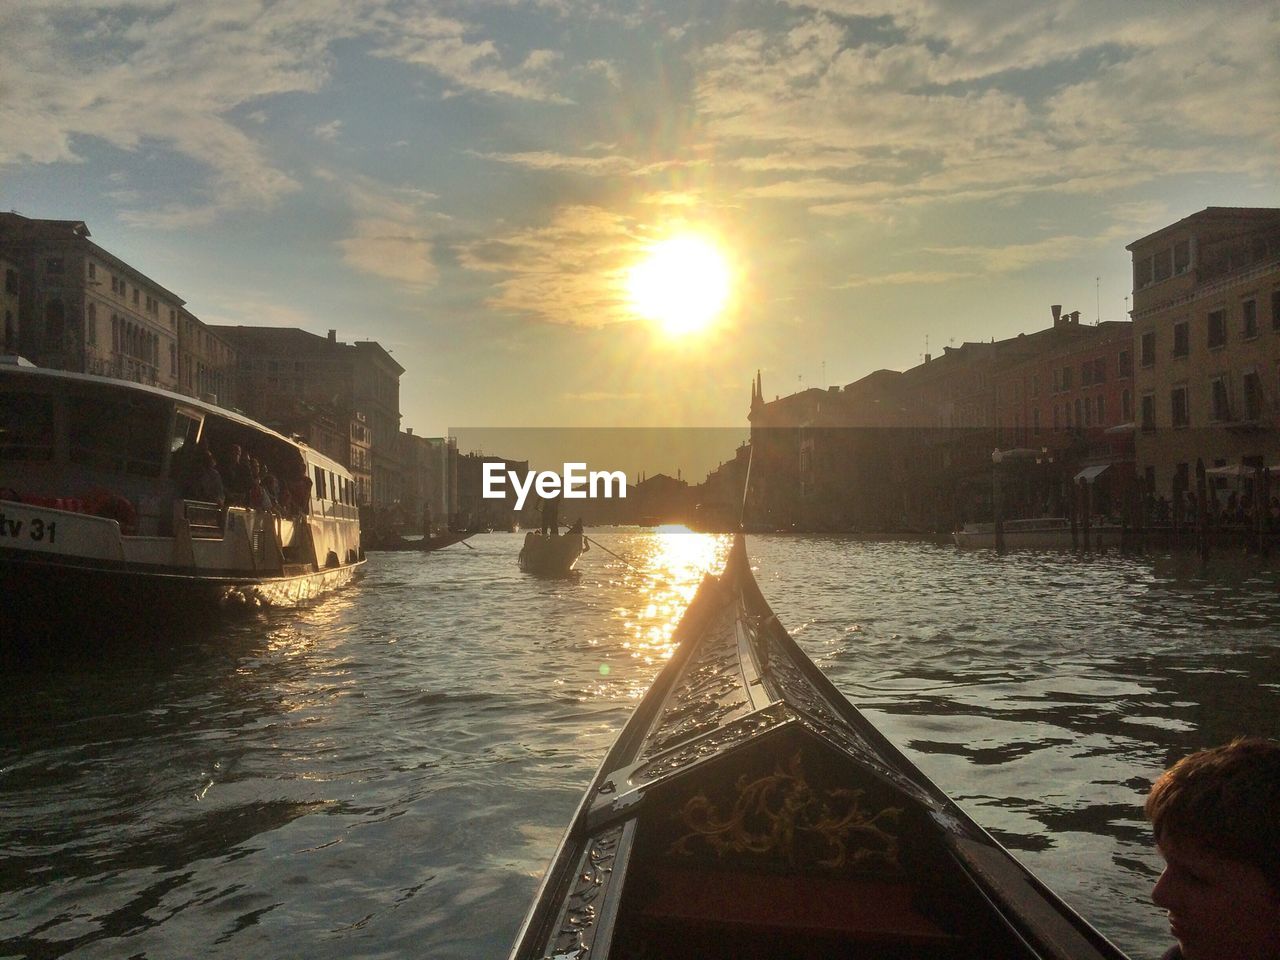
748, 810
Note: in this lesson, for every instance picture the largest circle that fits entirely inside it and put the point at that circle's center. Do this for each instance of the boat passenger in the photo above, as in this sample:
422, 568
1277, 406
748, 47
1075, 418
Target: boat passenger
205, 484
298, 485
1216, 819
235, 475
258, 499
271, 484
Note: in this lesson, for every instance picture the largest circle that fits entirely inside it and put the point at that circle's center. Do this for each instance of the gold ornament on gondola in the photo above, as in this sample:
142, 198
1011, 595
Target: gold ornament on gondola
780, 814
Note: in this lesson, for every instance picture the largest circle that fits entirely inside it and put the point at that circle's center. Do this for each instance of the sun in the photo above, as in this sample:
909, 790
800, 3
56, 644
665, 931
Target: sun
682, 284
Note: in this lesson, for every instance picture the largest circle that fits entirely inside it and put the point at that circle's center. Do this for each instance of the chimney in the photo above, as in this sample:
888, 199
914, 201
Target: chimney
1075, 318
928, 357
333, 336
1056, 309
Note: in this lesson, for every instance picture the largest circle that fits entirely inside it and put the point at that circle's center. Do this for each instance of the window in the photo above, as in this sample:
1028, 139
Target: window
1079, 412
1100, 370
118, 434
1181, 338
91, 325
1035, 384
1249, 317
1181, 257
55, 315
1141, 272
1126, 406
1162, 264
1148, 344
1275, 309
115, 284
1221, 402
54, 266
1035, 421
1181, 416
1086, 373
1057, 380
1088, 412
1148, 411
1102, 407
1057, 423
135, 296
1126, 363
1066, 378
11, 282
1217, 328
93, 270
1252, 385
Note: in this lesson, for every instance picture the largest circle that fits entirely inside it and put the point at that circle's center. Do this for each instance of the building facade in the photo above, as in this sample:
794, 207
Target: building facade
1206, 326
71, 305
301, 381
85, 310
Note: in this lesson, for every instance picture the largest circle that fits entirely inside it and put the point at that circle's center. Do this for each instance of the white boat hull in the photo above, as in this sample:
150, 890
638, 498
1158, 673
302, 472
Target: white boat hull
1051, 534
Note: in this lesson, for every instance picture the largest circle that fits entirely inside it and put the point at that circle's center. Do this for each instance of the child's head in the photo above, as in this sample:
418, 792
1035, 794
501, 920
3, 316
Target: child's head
1226, 799
1216, 816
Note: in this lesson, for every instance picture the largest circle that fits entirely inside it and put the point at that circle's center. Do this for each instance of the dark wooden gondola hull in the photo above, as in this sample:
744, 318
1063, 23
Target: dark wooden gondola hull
420, 545
748, 810
550, 556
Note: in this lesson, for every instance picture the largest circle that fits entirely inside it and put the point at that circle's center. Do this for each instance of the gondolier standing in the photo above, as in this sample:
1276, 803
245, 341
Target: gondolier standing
551, 516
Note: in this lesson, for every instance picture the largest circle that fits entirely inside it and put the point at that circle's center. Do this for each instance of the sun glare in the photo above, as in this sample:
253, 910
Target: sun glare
682, 285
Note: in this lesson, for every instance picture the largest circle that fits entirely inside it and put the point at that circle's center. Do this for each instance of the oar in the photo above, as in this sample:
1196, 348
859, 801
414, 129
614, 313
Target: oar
623, 559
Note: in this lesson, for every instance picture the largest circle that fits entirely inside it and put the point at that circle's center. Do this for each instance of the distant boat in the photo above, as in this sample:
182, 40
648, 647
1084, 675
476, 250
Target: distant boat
98, 525
747, 809
420, 544
551, 556
1041, 533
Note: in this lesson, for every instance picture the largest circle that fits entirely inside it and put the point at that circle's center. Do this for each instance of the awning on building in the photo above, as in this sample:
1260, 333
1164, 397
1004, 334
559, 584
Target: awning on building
1090, 474
1121, 428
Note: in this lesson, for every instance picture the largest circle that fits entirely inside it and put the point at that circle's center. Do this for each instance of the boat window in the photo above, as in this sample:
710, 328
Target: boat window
186, 428
26, 426
120, 433
318, 493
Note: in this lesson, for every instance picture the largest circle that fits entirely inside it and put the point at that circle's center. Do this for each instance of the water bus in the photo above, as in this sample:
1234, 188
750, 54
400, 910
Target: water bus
98, 517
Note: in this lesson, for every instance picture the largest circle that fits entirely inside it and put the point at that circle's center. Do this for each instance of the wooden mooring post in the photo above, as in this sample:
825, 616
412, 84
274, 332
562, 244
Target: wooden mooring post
1202, 511
1085, 508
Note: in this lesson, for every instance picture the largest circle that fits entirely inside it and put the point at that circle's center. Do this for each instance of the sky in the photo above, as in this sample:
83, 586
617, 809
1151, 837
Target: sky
472, 184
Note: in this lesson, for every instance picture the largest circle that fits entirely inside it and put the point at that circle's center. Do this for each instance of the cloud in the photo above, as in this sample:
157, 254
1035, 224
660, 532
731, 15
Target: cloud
601, 166
327, 131
1016, 256
569, 271
906, 278
165, 76
174, 78
392, 230
449, 48
927, 101
393, 250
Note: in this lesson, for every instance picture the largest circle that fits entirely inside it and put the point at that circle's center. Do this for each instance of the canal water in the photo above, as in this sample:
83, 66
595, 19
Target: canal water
387, 772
